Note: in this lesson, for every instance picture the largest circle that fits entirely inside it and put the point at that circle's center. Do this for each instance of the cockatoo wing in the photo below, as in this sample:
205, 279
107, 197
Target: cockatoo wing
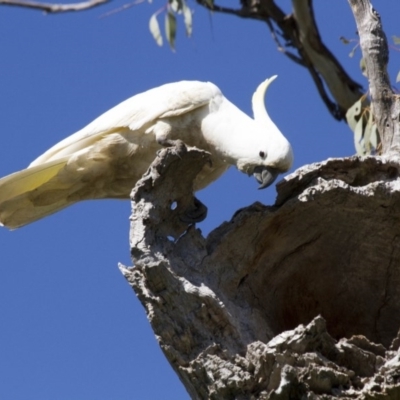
57, 178
137, 113
29, 179
20, 199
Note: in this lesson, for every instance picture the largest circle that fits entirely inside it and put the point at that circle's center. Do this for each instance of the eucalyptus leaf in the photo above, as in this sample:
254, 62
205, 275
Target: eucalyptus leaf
176, 5
170, 28
187, 18
358, 138
374, 137
396, 39
363, 67
368, 132
155, 29
353, 112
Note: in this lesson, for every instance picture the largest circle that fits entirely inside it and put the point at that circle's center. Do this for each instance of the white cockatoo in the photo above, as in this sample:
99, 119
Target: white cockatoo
107, 157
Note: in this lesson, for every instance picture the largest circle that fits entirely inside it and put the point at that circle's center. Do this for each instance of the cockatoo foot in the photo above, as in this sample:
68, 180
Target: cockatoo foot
178, 145
196, 212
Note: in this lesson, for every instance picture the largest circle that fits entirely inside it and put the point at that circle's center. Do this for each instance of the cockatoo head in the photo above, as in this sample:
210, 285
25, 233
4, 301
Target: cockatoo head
274, 151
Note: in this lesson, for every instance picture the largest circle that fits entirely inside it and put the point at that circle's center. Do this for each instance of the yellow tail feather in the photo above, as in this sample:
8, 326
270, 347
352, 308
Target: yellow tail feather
20, 201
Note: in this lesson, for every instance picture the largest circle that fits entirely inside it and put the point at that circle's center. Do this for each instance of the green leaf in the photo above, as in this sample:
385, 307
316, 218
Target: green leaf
398, 77
374, 137
396, 39
363, 67
209, 3
367, 133
187, 19
358, 138
351, 114
155, 29
170, 28
176, 5
366, 137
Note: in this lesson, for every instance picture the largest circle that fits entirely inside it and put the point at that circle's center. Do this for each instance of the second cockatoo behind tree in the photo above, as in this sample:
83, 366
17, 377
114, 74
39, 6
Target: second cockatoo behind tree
107, 157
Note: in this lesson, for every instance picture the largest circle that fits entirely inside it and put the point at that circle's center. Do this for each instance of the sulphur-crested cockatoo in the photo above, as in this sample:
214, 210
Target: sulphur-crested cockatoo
107, 157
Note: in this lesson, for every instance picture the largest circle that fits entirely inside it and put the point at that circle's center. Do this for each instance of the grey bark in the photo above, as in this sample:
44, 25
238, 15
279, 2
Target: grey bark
218, 305
385, 103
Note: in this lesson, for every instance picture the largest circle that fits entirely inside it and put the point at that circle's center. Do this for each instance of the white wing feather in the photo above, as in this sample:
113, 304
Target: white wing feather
136, 113
104, 159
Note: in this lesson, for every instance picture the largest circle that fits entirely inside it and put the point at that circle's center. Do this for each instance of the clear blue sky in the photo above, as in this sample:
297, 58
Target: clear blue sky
71, 327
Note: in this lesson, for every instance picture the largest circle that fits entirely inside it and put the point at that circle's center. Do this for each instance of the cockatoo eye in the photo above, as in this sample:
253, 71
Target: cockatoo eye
262, 154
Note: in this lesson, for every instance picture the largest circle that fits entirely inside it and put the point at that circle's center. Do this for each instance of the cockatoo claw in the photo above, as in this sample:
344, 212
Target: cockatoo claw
178, 145
197, 212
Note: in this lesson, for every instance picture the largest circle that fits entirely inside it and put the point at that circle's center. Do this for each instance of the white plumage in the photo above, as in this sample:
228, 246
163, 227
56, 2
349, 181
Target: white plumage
107, 157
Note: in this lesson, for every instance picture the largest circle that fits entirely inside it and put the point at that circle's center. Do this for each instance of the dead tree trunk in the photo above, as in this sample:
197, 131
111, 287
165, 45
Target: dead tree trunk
329, 246
228, 310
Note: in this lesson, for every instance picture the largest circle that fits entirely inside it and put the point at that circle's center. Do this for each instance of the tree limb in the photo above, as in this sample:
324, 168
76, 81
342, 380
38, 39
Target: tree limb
54, 8
385, 103
300, 32
322, 64
239, 12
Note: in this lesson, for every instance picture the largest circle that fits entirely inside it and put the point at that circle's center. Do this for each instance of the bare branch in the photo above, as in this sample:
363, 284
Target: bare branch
242, 12
374, 46
122, 8
300, 32
282, 48
343, 89
55, 8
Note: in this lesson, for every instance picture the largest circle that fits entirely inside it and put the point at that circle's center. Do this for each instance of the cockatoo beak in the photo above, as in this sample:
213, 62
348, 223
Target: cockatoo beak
265, 176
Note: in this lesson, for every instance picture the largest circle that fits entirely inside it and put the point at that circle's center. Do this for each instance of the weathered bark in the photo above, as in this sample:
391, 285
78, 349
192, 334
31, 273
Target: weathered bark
386, 104
330, 246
